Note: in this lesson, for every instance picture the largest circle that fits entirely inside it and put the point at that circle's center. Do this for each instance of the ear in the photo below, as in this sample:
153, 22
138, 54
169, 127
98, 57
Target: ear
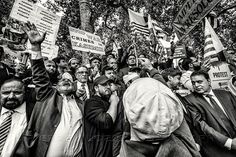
190, 64
209, 80
169, 77
96, 88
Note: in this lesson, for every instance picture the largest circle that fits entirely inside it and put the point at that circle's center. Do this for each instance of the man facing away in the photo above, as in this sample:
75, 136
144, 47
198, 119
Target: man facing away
213, 117
55, 126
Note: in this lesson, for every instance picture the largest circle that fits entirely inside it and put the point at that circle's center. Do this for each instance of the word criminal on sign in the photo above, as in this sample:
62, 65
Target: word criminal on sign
85, 41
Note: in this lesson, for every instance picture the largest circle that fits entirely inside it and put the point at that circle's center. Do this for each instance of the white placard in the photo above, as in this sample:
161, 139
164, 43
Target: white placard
45, 21
85, 41
219, 75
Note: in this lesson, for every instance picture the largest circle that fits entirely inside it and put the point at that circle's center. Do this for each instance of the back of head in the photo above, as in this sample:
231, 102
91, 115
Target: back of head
170, 72
185, 63
152, 109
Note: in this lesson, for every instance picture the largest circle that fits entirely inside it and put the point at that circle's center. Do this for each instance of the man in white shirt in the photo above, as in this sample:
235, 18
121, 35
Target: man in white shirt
84, 88
56, 124
213, 116
12, 96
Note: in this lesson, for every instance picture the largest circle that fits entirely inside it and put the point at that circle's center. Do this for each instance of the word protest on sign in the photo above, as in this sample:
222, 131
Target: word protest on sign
219, 75
44, 20
191, 13
85, 41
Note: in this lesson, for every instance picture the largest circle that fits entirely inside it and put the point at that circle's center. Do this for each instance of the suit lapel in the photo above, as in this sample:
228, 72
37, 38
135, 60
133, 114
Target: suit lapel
206, 105
226, 107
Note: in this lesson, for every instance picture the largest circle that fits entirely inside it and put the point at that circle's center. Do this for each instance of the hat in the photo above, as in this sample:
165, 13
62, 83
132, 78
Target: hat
101, 80
130, 76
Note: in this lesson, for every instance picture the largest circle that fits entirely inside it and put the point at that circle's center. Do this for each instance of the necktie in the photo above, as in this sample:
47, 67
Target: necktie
4, 129
215, 105
84, 96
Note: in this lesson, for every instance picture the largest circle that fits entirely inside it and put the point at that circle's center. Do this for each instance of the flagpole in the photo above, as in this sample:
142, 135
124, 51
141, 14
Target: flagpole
135, 51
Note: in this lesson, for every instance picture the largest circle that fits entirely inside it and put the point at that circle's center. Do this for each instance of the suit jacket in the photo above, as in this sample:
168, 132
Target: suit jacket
208, 124
123, 71
45, 116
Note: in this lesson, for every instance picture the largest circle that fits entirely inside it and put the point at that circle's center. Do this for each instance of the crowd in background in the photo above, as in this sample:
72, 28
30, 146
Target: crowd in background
117, 105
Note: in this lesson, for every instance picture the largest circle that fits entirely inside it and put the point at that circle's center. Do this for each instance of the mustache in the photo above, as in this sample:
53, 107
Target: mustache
11, 99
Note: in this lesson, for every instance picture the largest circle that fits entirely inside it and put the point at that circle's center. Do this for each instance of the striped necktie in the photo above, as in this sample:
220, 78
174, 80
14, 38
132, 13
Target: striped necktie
4, 129
84, 96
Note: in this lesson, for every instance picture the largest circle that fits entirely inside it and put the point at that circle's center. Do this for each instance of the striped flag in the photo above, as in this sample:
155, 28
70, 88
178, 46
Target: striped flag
140, 25
213, 45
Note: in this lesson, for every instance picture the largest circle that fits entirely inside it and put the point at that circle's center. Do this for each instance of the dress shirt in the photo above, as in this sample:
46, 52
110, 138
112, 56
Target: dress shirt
86, 88
228, 143
67, 139
217, 101
18, 124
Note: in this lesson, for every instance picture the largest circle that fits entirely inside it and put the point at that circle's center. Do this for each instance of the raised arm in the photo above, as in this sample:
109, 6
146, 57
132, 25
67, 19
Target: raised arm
40, 76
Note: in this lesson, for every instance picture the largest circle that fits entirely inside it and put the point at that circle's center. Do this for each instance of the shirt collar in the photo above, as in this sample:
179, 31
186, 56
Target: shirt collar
210, 93
21, 109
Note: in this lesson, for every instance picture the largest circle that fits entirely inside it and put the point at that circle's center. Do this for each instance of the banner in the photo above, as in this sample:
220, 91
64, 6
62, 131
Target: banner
213, 44
219, 75
191, 13
44, 20
85, 41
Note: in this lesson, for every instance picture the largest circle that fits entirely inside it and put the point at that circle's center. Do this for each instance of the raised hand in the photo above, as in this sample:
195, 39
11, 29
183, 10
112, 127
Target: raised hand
145, 63
34, 36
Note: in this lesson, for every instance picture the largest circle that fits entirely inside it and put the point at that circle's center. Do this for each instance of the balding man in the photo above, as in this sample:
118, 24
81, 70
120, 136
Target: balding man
15, 112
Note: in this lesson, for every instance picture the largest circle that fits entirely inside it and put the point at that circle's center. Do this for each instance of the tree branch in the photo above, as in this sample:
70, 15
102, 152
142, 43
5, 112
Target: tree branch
226, 9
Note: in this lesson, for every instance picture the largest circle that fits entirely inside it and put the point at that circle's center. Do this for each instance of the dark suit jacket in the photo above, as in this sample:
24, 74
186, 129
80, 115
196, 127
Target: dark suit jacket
210, 127
45, 117
122, 72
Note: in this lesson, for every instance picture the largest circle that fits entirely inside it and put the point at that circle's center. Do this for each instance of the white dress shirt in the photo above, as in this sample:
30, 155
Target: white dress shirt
18, 125
86, 88
67, 139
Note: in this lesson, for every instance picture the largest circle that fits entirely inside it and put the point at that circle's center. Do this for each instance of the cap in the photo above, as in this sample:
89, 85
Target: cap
101, 80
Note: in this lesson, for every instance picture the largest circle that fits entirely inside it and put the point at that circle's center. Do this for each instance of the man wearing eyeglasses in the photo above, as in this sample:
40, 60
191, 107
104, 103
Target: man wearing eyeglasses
55, 126
84, 88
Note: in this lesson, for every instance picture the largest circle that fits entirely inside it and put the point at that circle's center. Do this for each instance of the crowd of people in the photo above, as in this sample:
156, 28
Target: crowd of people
117, 106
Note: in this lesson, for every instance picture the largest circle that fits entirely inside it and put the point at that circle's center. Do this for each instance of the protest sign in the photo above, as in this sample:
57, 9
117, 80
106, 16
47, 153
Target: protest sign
219, 75
44, 20
191, 13
85, 41
180, 52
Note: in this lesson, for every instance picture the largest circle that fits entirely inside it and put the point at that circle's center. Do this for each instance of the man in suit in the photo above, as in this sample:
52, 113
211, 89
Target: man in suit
84, 87
15, 106
213, 116
131, 61
55, 126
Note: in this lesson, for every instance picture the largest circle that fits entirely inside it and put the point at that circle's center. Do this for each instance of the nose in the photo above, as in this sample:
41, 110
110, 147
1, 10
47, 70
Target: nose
11, 95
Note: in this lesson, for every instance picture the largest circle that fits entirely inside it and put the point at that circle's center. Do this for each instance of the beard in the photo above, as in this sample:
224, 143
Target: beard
66, 89
11, 103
